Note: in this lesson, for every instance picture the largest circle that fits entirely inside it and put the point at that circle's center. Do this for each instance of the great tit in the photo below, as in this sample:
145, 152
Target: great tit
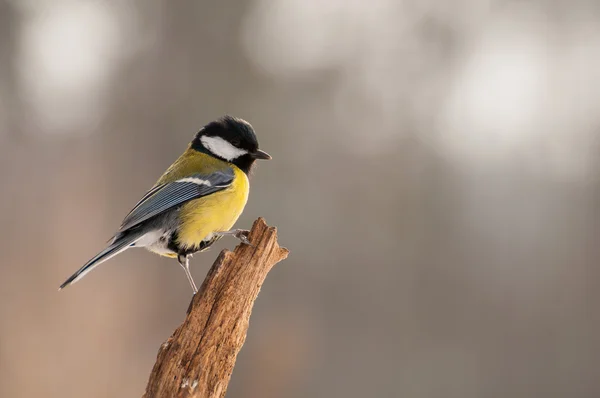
195, 202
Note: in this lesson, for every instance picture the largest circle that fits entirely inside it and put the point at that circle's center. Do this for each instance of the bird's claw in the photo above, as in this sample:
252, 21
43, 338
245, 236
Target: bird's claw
242, 235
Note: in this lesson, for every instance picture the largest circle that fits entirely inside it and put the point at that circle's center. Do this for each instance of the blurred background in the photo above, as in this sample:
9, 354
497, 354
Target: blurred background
435, 176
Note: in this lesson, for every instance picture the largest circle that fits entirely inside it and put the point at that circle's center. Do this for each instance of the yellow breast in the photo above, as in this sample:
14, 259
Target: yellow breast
202, 217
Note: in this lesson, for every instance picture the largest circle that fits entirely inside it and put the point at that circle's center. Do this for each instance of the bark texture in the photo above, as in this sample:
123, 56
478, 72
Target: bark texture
198, 359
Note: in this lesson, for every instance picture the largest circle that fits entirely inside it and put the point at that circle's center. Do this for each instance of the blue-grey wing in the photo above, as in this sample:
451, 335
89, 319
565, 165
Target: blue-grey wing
167, 196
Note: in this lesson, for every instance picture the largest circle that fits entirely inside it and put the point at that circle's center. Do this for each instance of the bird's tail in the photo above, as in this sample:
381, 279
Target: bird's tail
120, 243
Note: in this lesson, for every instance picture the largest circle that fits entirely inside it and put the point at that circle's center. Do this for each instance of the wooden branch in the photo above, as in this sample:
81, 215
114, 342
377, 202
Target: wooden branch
197, 360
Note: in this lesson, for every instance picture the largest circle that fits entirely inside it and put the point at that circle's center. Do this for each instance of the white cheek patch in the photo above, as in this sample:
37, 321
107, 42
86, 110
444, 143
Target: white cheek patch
222, 148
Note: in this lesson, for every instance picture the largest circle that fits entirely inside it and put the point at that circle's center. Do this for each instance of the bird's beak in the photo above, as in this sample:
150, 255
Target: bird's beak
261, 155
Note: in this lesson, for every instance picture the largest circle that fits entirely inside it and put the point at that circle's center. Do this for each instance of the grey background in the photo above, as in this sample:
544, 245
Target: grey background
435, 177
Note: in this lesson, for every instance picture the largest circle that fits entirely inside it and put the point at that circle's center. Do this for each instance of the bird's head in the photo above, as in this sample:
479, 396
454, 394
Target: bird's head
230, 139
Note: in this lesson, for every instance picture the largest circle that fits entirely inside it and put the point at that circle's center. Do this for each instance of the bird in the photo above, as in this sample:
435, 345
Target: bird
195, 202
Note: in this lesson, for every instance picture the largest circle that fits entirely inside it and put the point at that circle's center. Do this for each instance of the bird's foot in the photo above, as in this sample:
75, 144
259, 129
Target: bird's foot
184, 261
241, 234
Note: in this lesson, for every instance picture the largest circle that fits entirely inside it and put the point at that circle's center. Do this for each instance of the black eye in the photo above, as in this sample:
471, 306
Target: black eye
236, 141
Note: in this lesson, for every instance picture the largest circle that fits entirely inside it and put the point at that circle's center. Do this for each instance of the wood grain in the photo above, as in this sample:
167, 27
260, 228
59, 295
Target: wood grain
198, 359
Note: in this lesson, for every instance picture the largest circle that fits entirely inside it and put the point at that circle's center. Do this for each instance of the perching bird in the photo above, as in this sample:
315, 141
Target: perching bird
195, 202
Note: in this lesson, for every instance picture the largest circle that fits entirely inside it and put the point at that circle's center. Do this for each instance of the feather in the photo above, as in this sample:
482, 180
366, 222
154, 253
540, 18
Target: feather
120, 243
166, 196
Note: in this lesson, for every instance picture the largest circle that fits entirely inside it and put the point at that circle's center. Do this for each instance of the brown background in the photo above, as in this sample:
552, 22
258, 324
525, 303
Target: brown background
435, 177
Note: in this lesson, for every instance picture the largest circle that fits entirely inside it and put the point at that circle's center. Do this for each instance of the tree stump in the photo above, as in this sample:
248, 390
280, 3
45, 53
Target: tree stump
198, 359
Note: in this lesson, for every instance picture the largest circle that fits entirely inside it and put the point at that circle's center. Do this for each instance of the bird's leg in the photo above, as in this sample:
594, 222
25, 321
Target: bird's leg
241, 234
184, 261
